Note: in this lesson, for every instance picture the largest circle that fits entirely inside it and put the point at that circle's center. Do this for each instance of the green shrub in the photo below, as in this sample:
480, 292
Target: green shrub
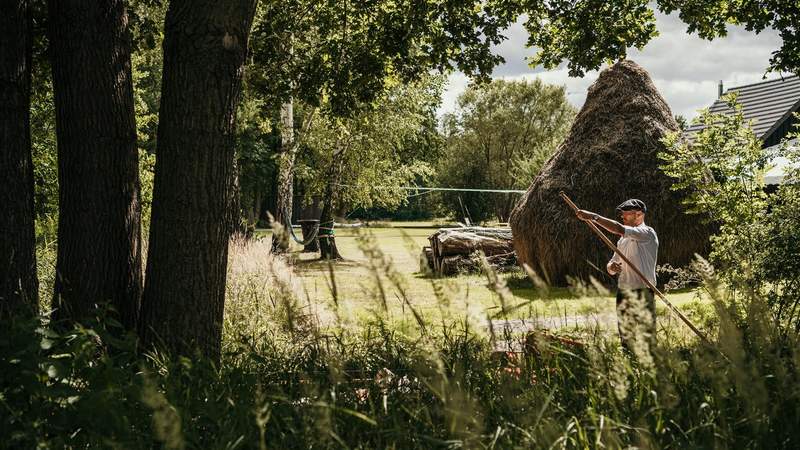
756, 246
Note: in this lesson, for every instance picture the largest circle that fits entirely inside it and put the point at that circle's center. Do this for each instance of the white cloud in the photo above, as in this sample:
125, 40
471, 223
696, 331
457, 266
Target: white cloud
684, 68
456, 84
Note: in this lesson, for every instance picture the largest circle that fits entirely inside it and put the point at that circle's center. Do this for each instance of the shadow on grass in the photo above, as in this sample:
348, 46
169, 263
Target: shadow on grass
318, 264
518, 283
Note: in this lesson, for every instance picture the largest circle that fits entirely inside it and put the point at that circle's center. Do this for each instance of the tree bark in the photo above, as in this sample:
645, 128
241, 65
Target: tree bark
19, 286
283, 208
327, 239
456, 242
99, 231
310, 227
205, 44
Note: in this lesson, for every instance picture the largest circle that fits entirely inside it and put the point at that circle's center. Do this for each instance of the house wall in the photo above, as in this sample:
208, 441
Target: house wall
780, 133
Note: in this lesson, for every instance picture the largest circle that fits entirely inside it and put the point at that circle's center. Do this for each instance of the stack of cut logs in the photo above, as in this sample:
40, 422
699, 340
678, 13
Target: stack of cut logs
457, 250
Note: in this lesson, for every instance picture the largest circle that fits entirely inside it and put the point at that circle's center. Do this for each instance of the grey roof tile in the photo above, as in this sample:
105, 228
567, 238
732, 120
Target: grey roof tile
767, 104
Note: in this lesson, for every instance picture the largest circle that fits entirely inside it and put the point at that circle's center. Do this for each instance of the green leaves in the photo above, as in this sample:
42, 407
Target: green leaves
499, 138
587, 33
346, 52
710, 19
723, 170
377, 147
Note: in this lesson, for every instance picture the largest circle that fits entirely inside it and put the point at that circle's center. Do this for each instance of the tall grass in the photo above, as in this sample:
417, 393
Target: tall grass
297, 374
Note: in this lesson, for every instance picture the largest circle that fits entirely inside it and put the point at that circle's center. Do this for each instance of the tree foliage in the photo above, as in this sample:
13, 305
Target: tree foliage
586, 33
256, 144
499, 137
374, 148
147, 23
710, 19
345, 53
755, 247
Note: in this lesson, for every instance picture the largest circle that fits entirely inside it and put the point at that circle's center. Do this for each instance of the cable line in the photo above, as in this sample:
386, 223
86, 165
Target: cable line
430, 189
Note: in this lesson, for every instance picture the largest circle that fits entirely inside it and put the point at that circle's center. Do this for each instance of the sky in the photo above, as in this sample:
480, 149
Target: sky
684, 68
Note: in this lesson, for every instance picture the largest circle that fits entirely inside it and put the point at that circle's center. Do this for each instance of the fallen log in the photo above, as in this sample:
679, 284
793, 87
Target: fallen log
464, 242
503, 261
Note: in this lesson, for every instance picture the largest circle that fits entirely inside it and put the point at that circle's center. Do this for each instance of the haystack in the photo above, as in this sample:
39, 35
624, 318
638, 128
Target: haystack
610, 155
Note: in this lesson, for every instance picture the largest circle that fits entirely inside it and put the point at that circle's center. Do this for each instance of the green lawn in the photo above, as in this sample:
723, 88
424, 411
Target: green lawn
362, 283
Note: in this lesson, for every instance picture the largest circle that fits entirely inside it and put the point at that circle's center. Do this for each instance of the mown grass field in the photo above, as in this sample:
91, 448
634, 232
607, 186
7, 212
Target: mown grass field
470, 295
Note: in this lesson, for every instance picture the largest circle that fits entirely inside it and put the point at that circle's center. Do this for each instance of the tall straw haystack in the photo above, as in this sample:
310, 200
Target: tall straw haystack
610, 155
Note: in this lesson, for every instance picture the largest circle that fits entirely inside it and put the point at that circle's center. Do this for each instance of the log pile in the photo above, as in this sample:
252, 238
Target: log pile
457, 250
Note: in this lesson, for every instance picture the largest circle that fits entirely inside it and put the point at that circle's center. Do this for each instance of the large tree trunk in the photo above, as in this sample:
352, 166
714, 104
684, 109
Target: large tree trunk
283, 208
205, 44
99, 248
19, 286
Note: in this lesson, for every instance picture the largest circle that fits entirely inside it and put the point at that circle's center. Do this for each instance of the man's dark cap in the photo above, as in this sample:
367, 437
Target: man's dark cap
632, 204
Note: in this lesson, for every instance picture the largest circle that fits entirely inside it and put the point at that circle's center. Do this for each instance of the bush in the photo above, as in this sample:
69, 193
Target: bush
756, 248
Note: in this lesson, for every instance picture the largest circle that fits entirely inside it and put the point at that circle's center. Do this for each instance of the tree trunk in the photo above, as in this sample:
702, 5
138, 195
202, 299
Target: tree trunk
310, 227
205, 44
99, 230
255, 208
464, 241
327, 239
283, 208
263, 207
236, 223
509, 201
19, 286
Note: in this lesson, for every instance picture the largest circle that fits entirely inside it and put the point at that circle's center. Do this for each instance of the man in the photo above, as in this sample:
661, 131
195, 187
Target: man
636, 308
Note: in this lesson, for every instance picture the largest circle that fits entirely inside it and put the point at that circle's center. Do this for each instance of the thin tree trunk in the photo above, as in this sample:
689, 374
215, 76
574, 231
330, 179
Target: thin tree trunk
283, 208
504, 207
263, 207
99, 249
19, 286
236, 224
327, 239
205, 44
255, 211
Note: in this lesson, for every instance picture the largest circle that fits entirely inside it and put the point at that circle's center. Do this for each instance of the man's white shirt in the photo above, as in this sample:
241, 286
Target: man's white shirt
640, 246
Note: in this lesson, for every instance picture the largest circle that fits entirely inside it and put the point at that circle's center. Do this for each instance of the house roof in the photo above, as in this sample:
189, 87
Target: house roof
768, 103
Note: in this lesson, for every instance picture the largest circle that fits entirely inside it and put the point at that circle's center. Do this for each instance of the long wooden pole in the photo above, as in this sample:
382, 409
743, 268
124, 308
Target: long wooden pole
636, 270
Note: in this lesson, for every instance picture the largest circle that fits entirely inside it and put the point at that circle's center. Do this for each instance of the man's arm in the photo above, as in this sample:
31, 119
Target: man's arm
609, 224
